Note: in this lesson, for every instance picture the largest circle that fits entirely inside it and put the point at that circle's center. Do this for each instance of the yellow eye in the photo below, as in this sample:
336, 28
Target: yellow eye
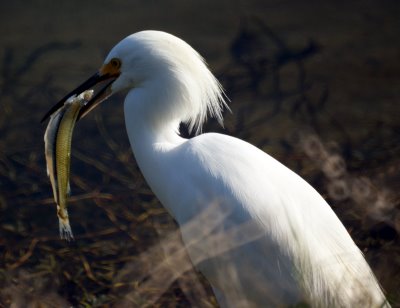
115, 63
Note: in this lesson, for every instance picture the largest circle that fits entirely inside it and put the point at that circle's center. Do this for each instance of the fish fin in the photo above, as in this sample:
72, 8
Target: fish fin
56, 196
64, 226
68, 190
65, 230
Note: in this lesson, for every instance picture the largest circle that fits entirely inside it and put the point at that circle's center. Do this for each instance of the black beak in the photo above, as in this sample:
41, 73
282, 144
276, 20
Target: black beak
100, 96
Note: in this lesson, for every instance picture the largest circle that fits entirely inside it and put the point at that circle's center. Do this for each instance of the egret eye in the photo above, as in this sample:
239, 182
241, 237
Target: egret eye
115, 63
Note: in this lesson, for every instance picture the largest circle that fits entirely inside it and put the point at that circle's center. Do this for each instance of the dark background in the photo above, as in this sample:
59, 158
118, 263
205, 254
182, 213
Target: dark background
314, 84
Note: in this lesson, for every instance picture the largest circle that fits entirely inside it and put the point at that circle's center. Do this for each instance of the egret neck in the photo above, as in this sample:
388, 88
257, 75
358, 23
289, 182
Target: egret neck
154, 138
150, 127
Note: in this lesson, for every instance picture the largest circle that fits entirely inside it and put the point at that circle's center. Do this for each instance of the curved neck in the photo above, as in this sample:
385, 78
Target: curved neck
153, 138
149, 129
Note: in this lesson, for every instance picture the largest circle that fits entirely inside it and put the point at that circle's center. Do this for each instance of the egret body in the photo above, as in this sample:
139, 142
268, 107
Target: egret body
301, 252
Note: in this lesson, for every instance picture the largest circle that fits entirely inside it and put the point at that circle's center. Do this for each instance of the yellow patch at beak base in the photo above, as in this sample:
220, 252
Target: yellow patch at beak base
111, 69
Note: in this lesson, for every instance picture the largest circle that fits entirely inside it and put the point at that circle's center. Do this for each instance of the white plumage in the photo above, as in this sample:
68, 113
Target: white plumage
301, 251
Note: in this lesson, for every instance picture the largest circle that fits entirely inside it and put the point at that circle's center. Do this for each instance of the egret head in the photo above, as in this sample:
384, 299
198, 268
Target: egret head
174, 75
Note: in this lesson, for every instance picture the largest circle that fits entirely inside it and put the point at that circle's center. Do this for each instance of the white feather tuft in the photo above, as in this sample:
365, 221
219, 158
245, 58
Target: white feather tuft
179, 86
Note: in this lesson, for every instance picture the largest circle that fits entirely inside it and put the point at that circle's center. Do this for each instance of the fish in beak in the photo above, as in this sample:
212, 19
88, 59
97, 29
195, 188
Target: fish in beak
107, 74
57, 145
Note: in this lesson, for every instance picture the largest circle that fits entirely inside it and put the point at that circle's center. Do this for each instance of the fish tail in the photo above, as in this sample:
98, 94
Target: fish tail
64, 226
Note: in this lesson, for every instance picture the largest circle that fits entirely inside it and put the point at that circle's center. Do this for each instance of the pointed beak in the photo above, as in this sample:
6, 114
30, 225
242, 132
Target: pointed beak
104, 78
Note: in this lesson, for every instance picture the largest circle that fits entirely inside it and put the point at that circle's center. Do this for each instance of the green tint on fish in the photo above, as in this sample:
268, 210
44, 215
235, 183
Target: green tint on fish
57, 140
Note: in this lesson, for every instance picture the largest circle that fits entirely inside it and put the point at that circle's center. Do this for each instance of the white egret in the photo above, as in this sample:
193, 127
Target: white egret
302, 252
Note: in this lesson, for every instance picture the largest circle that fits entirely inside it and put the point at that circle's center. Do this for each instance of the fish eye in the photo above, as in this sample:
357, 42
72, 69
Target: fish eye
115, 63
